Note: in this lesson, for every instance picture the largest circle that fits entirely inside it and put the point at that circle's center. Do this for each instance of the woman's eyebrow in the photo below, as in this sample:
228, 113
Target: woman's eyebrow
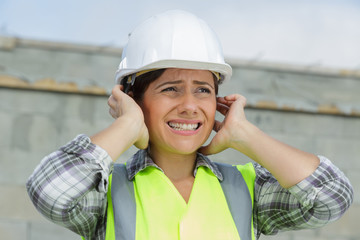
169, 82
180, 81
203, 83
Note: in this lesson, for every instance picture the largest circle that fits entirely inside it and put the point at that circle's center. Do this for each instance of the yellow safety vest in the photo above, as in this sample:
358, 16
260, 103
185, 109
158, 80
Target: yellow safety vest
150, 207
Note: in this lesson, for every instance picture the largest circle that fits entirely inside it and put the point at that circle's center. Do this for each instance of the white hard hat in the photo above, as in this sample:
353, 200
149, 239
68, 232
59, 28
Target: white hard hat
174, 39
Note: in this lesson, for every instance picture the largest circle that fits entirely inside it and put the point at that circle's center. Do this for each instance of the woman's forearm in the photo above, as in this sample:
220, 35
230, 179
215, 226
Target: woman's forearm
287, 164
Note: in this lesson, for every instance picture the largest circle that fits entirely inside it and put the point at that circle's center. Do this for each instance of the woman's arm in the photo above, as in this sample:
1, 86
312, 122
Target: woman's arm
288, 165
321, 198
69, 186
293, 189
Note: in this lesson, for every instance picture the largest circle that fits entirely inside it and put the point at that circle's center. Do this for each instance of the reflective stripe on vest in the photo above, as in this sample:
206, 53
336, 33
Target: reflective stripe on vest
121, 201
235, 188
124, 221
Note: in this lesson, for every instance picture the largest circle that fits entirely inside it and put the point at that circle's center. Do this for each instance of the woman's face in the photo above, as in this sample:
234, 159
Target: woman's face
179, 109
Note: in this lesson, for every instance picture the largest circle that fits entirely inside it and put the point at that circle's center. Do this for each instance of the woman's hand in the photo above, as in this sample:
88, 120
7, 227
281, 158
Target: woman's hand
288, 165
229, 134
128, 128
123, 107
122, 104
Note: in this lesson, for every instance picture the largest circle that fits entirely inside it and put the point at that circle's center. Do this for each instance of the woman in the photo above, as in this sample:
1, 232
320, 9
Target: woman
165, 105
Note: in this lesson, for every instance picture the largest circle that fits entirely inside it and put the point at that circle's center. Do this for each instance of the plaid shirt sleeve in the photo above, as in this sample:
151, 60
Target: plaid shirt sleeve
321, 198
69, 186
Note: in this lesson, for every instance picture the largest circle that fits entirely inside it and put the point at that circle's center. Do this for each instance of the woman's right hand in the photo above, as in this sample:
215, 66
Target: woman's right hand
128, 128
124, 109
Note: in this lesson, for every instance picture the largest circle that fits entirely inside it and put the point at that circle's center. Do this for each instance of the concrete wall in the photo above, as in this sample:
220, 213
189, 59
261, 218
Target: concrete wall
50, 92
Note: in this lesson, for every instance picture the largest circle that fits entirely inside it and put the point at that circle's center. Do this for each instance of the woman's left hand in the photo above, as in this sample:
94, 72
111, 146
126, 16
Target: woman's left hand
229, 133
287, 164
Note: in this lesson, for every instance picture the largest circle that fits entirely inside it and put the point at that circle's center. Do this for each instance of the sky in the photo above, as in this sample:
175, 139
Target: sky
323, 33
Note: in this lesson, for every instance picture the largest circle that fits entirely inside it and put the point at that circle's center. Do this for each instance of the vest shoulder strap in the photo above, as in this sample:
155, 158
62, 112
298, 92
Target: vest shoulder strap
238, 198
125, 209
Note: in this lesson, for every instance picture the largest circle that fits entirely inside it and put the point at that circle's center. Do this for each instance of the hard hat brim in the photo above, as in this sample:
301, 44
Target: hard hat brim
224, 69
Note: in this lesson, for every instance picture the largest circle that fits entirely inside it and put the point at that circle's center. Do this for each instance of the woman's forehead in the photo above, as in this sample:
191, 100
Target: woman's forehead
184, 74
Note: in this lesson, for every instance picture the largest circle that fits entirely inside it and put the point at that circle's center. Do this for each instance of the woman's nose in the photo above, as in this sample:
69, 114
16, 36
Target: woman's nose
188, 104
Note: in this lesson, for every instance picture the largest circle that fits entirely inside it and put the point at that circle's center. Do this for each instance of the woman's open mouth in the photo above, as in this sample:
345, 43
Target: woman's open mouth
184, 126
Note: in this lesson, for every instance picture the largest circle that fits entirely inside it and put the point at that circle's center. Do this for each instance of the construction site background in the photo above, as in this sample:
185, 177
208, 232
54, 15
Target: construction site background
50, 92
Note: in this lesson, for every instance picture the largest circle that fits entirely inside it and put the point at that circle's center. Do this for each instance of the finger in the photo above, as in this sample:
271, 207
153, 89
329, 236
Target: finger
233, 97
225, 102
115, 90
116, 96
221, 100
237, 98
111, 101
226, 99
223, 109
112, 113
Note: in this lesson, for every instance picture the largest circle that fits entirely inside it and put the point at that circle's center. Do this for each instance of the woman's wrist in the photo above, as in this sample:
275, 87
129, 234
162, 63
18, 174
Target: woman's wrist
118, 137
247, 136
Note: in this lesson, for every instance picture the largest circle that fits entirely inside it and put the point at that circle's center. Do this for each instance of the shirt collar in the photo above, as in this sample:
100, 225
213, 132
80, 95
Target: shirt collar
141, 160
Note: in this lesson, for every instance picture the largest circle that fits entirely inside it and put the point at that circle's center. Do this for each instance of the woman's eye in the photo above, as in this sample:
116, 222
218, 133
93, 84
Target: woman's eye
169, 89
204, 90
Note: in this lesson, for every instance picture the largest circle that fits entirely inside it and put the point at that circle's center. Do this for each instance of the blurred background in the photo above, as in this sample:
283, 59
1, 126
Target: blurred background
298, 64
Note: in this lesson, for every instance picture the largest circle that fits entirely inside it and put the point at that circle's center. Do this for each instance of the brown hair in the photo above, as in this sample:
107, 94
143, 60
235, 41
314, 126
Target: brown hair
143, 81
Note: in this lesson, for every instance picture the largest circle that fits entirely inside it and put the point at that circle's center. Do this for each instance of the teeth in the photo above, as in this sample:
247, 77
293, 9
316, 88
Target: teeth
183, 126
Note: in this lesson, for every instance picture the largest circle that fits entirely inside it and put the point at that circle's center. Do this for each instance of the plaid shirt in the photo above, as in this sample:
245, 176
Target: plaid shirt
69, 187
